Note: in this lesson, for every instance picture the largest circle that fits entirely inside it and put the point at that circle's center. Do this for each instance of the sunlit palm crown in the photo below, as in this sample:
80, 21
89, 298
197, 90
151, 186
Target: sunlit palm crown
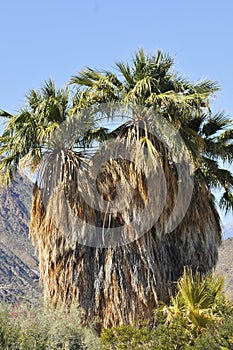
148, 81
151, 81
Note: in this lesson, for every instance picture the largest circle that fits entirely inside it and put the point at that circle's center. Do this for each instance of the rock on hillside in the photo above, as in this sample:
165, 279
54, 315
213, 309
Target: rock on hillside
17, 280
225, 265
18, 263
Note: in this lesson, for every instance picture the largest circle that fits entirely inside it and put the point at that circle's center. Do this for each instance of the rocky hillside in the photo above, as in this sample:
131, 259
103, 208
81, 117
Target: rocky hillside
225, 265
19, 274
17, 280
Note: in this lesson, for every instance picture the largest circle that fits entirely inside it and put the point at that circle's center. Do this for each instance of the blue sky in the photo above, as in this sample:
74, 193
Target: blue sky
55, 39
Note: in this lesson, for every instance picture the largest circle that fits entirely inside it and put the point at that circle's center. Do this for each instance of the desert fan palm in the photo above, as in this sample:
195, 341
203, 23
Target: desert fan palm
119, 283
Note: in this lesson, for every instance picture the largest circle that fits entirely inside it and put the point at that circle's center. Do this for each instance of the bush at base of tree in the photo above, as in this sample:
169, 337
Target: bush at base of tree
26, 327
168, 337
198, 317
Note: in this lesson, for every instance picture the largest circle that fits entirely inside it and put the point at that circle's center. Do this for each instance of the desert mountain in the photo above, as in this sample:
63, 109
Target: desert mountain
19, 276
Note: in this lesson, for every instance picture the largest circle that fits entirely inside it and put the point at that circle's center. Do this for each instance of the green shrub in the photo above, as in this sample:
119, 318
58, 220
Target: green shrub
169, 336
219, 337
198, 317
142, 337
28, 327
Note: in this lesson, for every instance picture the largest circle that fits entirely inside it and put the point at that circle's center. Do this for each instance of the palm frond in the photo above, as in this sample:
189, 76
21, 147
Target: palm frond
48, 89
196, 299
180, 101
226, 136
23, 139
219, 150
5, 114
206, 86
125, 70
215, 124
86, 77
226, 201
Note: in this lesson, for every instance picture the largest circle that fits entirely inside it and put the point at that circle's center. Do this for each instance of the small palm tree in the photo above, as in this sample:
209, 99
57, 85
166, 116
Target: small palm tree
198, 300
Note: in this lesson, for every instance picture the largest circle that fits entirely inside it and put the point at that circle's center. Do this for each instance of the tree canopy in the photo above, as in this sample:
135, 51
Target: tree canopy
149, 81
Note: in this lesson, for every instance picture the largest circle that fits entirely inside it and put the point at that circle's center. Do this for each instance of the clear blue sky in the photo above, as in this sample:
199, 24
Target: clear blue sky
55, 39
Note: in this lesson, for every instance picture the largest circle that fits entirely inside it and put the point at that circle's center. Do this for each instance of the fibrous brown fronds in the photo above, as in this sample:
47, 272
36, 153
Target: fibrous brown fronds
121, 280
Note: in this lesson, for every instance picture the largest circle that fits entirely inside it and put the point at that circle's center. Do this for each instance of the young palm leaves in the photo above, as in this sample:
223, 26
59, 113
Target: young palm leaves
198, 300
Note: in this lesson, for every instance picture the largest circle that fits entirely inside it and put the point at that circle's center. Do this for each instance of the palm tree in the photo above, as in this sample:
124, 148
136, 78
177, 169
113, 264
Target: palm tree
150, 82
119, 283
25, 134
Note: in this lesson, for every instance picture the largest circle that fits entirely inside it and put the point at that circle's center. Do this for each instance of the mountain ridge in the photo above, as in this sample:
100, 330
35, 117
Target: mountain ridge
19, 272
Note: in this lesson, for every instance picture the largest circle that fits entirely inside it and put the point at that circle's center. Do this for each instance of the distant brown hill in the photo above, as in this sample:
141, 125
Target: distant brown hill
225, 265
15, 205
19, 274
17, 280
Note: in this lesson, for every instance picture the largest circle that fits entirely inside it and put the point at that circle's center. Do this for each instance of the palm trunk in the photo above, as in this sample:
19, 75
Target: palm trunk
118, 285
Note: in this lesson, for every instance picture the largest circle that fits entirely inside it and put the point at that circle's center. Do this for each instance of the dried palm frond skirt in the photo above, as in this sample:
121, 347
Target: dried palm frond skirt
117, 284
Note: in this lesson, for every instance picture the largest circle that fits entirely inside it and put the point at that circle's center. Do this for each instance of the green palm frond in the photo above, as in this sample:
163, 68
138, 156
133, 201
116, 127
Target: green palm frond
22, 141
48, 89
125, 70
215, 124
86, 77
92, 137
226, 136
197, 299
192, 291
34, 98
102, 87
5, 114
226, 201
217, 177
181, 102
219, 150
205, 86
